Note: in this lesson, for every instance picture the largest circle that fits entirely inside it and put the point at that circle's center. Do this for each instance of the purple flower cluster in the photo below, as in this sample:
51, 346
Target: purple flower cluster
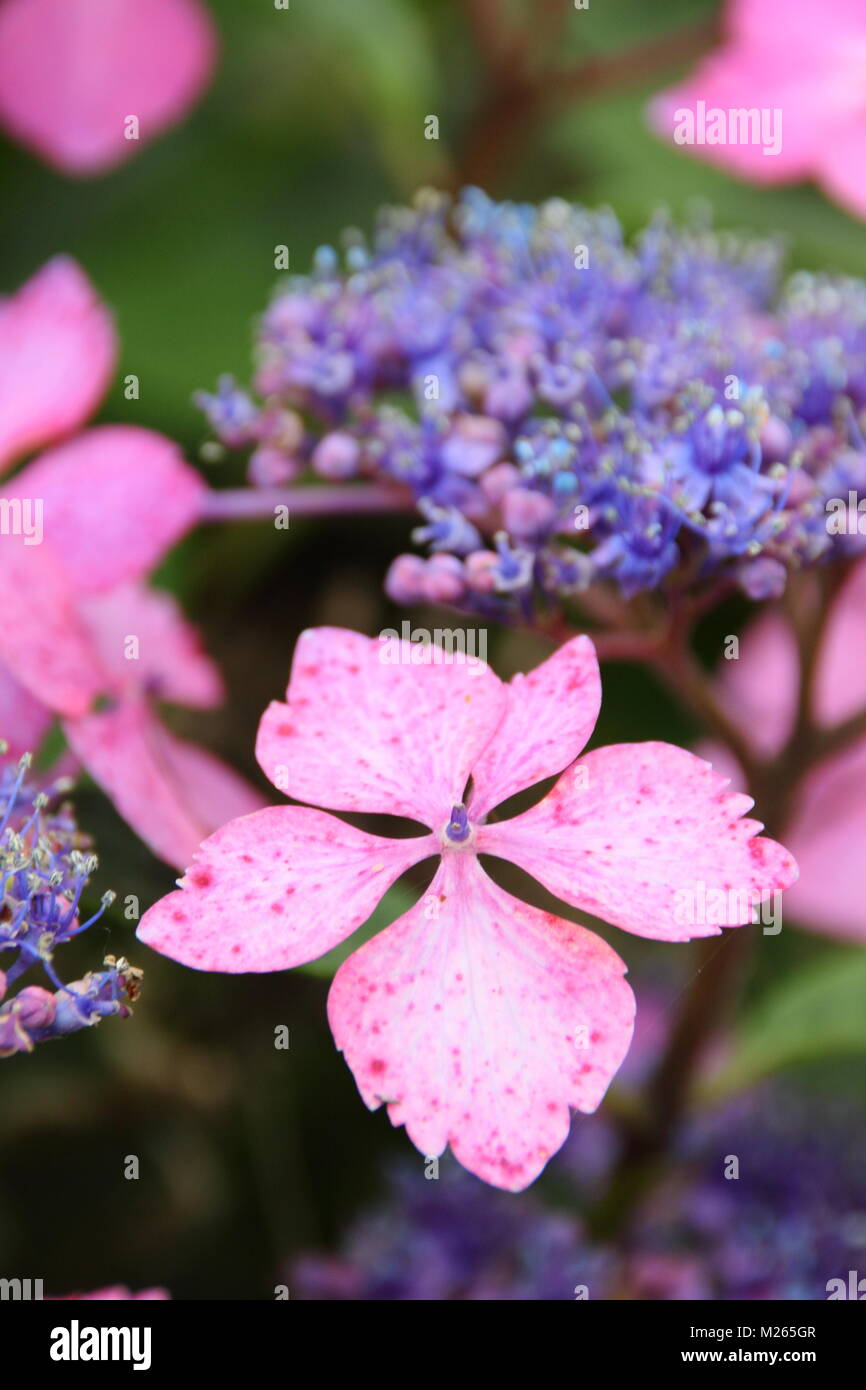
565, 407
783, 1228
44, 869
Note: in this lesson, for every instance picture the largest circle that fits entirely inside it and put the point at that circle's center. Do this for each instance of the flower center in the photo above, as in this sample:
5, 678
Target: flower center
458, 832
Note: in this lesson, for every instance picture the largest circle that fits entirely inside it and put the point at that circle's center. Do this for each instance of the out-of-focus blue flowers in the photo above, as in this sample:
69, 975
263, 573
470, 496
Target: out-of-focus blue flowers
792, 1220
566, 407
44, 869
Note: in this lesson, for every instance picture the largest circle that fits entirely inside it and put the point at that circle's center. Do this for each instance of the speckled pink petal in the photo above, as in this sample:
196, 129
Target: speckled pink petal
24, 720
479, 1021
57, 353
550, 715
168, 660
276, 889
115, 499
42, 642
73, 71
635, 831
361, 735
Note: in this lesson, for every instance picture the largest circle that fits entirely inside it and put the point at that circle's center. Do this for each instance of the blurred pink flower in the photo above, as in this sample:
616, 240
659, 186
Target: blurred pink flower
476, 1018
827, 828
806, 62
76, 74
115, 1292
82, 526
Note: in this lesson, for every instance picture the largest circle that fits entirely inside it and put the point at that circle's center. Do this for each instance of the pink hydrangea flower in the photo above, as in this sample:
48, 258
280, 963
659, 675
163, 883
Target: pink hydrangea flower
84, 523
114, 1293
827, 828
806, 63
73, 73
478, 1019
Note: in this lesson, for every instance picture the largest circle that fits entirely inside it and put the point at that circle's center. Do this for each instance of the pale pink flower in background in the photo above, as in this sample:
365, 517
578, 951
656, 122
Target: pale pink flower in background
112, 500
479, 1021
807, 61
116, 1293
73, 73
827, 827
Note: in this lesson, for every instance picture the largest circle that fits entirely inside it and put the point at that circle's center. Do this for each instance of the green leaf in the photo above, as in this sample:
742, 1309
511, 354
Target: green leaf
817, 1013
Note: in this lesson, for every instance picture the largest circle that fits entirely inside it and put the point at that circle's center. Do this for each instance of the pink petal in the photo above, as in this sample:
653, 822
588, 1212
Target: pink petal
171, 664
42, 642
73, 71
479, 1026
149, 776
57, 353
827, 832
550, 714
276, 889
115, 1292
214, 792
24, 720
759, 689
630, 827
816, 100
842, 166
779, 25
115, 500
361, 735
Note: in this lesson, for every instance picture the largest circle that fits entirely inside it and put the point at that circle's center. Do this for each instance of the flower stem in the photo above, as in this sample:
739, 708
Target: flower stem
249, 504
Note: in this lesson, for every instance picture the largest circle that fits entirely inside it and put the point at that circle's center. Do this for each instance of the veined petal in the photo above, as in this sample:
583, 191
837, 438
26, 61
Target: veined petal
275, 889
480, 1024
114, 499
57, 353
72, 73
550, 715
362, 734
649, 837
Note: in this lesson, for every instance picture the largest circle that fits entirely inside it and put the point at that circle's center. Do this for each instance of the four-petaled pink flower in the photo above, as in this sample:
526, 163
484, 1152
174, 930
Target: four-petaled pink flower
83, 524
85, 83
476, 1018
806, 62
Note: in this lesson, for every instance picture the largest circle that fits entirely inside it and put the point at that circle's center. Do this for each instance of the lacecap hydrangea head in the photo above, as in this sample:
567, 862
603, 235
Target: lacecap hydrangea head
565, 406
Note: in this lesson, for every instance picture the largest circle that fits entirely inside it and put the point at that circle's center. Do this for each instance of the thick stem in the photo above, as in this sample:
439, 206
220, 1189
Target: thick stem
249, 504
518, 96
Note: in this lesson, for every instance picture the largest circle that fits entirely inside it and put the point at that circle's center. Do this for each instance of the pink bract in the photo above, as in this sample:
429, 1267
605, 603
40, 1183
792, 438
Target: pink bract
57, 353
809, 67
827, 828
112, 501
72, 73
478, 1020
